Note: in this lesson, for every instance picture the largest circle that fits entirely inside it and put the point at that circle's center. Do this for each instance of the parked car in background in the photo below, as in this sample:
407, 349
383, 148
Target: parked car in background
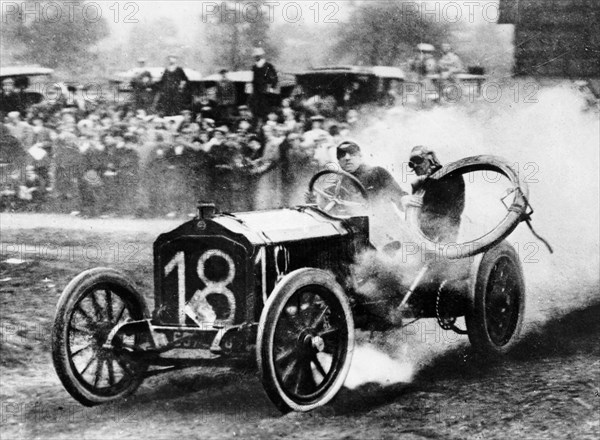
326, 90
22, 86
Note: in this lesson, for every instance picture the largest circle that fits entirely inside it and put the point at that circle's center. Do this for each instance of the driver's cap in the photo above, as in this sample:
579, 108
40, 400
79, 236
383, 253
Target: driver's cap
347, 147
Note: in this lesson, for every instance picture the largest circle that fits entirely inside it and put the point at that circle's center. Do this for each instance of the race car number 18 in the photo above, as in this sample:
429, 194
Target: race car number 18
198, 303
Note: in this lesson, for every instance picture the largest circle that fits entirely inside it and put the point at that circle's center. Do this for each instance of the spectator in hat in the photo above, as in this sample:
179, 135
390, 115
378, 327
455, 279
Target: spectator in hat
11, 99
141, 84
126, 161
172, 87
318, 138
298, 165
264, 81
449, 64
423, 62
225, 97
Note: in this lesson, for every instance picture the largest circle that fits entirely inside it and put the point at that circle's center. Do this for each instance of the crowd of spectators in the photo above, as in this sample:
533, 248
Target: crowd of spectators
127, 158
114, 159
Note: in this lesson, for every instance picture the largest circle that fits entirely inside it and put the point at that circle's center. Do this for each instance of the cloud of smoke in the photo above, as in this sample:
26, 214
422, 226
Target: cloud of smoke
553, 142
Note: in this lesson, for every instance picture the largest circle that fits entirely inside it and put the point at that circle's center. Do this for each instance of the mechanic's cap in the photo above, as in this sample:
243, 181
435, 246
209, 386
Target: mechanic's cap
347, 147
258, 52
317, 118
243, 107
422, 152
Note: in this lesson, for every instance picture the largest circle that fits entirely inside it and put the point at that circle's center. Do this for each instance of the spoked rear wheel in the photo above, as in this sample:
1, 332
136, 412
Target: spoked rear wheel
91, 305
496, 317
305, 340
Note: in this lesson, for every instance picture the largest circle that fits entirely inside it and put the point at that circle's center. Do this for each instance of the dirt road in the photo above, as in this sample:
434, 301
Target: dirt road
548, 388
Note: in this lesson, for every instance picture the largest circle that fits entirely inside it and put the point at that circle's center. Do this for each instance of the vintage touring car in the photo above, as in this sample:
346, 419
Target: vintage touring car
278, 286
28, 87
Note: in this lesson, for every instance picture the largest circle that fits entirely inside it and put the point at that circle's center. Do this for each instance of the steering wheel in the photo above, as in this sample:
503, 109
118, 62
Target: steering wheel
336, 196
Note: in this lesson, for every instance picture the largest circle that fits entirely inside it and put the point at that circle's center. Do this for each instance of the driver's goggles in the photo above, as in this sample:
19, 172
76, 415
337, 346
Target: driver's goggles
415, 161
342, 153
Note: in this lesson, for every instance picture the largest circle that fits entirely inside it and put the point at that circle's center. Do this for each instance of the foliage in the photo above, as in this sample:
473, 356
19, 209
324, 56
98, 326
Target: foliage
56, 38
231, 36
155, 40
385, 33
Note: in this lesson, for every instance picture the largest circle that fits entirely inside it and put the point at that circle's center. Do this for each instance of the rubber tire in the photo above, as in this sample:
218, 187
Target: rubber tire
264, 347
514, 216
475, 318
75, 290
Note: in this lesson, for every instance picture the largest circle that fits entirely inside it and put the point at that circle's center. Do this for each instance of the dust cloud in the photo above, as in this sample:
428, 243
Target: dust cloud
553, 140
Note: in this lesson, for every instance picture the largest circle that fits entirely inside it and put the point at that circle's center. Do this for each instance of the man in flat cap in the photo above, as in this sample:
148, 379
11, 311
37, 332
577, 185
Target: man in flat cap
378, 182
264, 81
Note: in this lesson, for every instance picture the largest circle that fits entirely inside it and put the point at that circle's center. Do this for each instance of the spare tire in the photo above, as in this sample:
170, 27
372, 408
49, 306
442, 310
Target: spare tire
515, 214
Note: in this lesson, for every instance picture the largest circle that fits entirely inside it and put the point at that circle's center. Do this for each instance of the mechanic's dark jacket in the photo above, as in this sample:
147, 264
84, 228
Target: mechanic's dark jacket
264, 77
443, 198
379, 184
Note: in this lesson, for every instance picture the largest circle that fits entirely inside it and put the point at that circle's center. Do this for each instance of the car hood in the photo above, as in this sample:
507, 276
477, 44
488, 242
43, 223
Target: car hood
282, 225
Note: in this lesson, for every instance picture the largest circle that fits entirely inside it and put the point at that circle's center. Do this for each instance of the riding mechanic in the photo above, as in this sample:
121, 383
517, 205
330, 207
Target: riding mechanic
443, 200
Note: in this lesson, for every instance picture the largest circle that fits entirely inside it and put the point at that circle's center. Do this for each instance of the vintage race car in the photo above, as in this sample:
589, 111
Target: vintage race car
279, 286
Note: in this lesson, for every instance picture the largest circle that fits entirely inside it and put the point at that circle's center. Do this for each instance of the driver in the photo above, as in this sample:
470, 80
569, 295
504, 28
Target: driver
378, 182
385, 196
444, 199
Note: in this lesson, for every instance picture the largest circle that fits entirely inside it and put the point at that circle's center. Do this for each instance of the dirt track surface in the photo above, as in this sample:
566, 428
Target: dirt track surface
548, 388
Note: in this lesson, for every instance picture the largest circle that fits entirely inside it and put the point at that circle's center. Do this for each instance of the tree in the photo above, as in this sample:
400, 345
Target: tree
54, 36
154, 41
385, 33
234, 28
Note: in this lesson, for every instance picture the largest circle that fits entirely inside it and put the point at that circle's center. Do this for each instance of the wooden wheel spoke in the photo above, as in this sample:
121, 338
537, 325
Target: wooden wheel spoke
98, 373
81, 330
108, 305
111, 372
305, 382
289, 370
80, 350
89, 364
329, 332
331, 338
287, 331
307, 313
125, 367
120, 314
88, 319
316, 323
287, 355
319, 366
96, 306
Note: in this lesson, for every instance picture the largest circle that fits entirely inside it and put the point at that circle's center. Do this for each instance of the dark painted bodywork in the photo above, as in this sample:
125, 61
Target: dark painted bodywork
263, 246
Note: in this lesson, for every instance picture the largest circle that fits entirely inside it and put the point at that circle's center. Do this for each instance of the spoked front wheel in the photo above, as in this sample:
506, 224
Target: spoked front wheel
91, 305
305, 340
